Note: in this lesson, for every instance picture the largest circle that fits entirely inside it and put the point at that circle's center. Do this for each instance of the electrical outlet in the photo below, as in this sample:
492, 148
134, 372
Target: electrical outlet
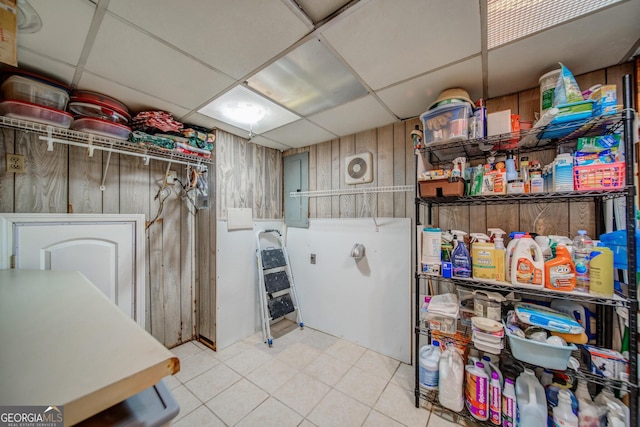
15, 163
171, 177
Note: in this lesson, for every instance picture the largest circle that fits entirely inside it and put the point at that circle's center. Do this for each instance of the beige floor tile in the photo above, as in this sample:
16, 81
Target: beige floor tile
378, 364
237, 401
248, 360
327, 369
299, 355
318, 339
209, 384
187, 401
171, 382
376, 419
272, 375
399, 404
271, 413
338, 409
405, 376
361, 385
195, 365
254, 339
232, 350
185, 350
346, 351
301, 393
200, 345
201, 417
438, 421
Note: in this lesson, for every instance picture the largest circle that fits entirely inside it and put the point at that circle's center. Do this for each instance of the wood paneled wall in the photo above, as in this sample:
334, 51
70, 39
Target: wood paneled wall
393, 163
68, 180
248, 176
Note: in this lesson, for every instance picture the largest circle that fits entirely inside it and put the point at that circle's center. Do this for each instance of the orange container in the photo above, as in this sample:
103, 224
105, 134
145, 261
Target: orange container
560, 272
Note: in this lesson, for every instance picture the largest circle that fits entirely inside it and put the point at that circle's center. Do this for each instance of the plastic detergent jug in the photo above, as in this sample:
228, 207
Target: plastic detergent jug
495, 400
477, 391
508, 254
601, 271
563, 415
553, 400
451, 396
527, 264
429, 370
508, 403
460, 258
560, 272
606, 396
531, 402
543, 242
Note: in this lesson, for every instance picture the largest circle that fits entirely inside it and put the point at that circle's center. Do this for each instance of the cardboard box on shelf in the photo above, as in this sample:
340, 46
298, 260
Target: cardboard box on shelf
8, 32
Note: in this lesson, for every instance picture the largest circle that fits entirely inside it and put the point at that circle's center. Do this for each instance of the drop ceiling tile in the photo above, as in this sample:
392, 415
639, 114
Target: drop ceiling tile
361, 114
411, 98
65, 25
266, 142
299, 134
234, 37
125, 55
134, 100
389, 41
319, 10
47, 67
519, 65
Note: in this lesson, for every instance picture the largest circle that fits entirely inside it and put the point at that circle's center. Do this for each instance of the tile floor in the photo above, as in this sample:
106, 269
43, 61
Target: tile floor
307, 378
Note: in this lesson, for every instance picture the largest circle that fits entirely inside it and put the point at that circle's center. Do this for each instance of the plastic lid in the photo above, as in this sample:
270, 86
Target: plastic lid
435, 343
432, 229
494, 375
480, 365
508, 380
582, 231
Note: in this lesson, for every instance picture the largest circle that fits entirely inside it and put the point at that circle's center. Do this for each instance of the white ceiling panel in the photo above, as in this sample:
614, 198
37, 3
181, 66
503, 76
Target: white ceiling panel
235, 37
355, 116
300, 134
584, 45
389, 41
261, 140
134, 100
65, 25
318, 10
122, 54
411, 98
47, 67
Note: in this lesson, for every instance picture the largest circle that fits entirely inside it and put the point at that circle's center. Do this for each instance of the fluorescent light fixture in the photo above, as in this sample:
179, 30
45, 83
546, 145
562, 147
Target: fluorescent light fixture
247, 110
308, 79
509, 20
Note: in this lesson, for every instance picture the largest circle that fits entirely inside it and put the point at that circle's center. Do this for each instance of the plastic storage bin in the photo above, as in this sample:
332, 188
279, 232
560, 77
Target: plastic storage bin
444, 324
540, 353
36, 92
617, 242
99, 99
101, 127
99, 111
35, 113
447, 123
599, 177
152, 407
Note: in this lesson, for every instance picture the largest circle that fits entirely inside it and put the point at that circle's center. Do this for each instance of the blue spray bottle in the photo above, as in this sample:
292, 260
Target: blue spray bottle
460, 258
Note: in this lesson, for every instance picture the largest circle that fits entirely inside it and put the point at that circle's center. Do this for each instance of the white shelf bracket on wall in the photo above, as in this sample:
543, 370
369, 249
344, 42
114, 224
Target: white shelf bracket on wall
354, 191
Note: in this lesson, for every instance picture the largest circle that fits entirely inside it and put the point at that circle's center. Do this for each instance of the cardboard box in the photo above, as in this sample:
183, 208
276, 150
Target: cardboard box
487, 262
8, 32
450, 187
605, 98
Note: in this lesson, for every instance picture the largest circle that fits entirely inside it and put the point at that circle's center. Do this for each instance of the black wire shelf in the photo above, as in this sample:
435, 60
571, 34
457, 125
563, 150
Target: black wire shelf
614, 301
550, 197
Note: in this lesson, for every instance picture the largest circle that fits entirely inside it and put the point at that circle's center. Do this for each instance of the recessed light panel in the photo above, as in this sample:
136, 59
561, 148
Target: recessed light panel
509, 20
247, 110
307, 80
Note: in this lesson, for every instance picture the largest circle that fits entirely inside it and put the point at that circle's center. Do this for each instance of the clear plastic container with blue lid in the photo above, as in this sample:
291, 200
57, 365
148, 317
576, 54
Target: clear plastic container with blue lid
447, 123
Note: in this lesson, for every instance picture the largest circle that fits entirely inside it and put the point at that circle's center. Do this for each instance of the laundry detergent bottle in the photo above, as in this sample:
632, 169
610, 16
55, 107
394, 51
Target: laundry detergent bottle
460, 258
477, 391
451, 379
531, 401
508, 254
527, 264
560, 272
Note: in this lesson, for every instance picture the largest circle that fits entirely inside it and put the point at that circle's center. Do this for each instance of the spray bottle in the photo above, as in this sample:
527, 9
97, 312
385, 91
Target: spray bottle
498, 243
447, 245
460, 257
459, 164
497, 237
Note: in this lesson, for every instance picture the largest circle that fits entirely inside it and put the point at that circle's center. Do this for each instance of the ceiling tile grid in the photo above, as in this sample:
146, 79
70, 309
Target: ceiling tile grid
300, 134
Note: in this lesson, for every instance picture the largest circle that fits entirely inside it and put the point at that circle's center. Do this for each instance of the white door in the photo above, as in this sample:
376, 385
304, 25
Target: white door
103, 250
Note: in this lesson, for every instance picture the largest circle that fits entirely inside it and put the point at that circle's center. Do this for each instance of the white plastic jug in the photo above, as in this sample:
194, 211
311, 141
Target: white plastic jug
451, 394
429, 361
527, 264
531, 401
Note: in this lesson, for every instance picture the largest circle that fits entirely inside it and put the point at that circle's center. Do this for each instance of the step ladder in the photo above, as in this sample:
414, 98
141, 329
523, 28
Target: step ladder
276, 287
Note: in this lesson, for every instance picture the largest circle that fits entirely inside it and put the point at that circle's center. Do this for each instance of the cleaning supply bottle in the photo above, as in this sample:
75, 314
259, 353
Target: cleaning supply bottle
527, 264
601, 271
546, 378
495, 399
563, 415
606, 396
497, 237
560, 272
429, 370
508, 403
544, 243
477, 391
451, 379
531, 402
510, 165
460, 258
508, 254
582, 245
